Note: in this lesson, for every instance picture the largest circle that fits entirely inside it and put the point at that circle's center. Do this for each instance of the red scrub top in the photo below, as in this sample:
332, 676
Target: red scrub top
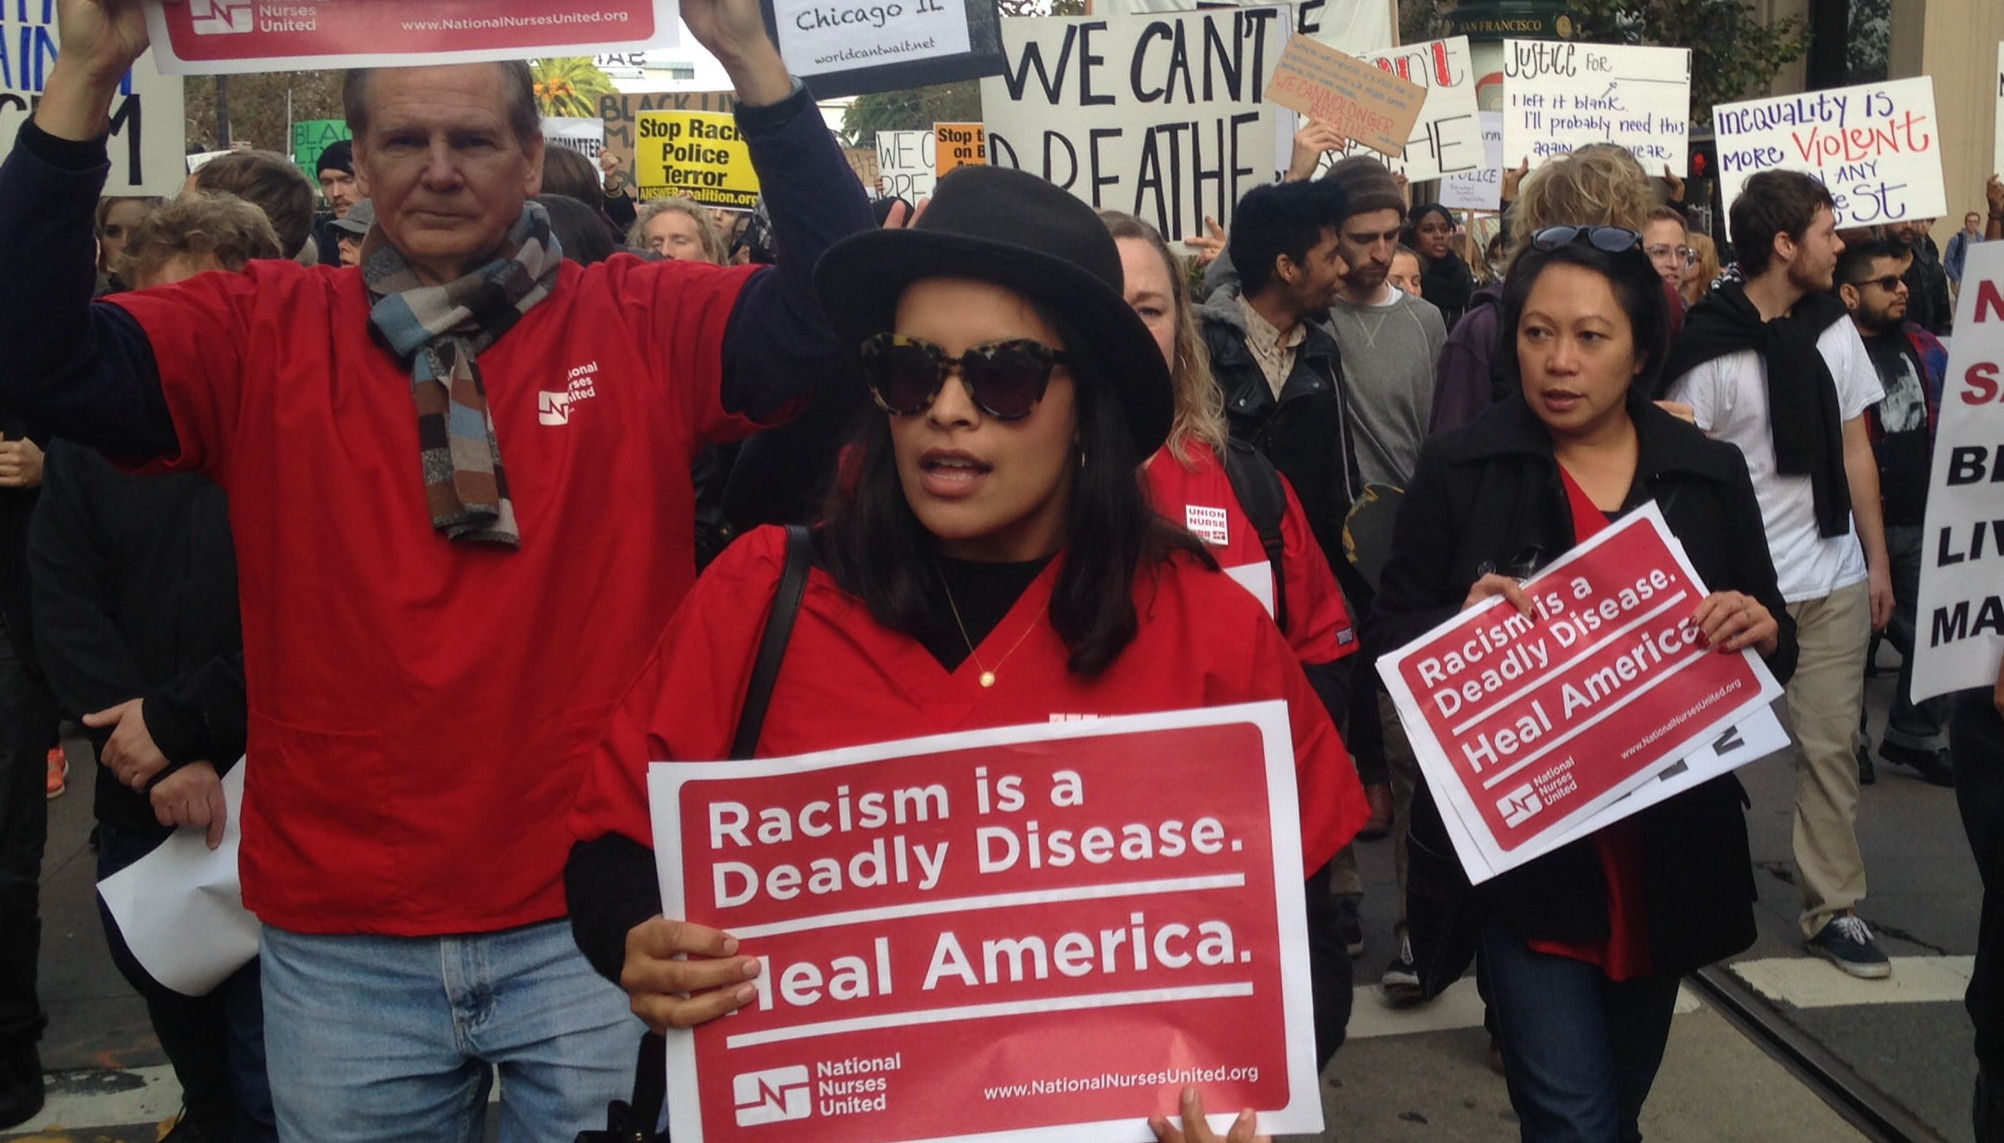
1199, 497
847, 680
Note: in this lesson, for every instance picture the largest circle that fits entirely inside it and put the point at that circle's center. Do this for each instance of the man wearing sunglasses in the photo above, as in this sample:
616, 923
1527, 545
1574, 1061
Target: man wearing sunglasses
1910, 363
1772, 364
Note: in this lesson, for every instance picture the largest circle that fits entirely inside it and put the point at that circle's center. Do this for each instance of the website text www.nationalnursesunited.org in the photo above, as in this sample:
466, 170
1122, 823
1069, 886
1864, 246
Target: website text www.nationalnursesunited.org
1680, 719
532, 20
1113, 1081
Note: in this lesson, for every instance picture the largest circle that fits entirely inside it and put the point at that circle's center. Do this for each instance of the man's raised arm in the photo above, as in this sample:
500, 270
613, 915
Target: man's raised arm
79, 370
778, 343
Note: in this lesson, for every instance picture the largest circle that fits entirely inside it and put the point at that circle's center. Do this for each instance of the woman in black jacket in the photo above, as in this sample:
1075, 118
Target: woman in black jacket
1582, 948
1445, 279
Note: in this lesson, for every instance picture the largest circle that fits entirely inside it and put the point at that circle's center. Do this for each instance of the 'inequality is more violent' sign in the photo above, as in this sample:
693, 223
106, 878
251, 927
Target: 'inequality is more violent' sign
1020, 934
1876, 147
1526, 725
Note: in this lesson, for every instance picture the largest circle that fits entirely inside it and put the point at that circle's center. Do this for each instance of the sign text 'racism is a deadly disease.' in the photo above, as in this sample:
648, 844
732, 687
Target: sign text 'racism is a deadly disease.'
148, 131
818, 36
697, 155
1876, 147
1163, 117
1561, 96
1960, 635
1527, 724
1034, 926
225, 36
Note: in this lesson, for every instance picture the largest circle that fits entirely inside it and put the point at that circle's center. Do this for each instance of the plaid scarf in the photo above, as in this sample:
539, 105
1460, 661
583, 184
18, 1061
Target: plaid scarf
439, 332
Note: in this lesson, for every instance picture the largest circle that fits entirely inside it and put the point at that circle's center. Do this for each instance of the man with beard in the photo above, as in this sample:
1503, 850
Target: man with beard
1910, 362
1928, 305
1771, 364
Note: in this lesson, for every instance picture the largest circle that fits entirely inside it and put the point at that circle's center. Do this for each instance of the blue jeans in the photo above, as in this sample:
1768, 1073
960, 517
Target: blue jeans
392, 1038
1579, 1050
215, 1042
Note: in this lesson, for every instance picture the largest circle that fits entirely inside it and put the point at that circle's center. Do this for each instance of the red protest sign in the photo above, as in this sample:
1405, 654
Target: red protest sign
996, 934
208, 36
1525, 726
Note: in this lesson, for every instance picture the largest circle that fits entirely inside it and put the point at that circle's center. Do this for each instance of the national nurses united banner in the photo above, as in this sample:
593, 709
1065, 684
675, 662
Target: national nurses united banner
1529, 726
1020, 934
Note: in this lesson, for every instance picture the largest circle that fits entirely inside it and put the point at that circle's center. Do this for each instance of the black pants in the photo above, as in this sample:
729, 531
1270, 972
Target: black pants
1976, 743
27, 730
1328, 969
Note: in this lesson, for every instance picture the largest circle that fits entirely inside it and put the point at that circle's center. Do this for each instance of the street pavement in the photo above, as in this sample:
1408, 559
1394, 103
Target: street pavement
1418, 1074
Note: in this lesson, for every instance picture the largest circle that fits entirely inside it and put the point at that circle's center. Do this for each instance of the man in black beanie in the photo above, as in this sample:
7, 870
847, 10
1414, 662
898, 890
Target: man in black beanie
336, 171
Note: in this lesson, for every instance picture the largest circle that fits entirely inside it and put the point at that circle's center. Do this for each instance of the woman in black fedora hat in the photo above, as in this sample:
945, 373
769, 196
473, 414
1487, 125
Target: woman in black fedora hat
988, 558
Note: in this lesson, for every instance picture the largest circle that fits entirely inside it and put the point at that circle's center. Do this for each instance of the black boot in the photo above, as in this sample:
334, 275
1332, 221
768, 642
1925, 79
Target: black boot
20, 1085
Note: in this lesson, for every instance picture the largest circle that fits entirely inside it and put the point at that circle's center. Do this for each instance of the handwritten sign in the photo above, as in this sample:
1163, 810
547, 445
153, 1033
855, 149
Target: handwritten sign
311, 137
1163, 117
1479, 189
1960, 620
696, 155
209, 37
907, 164
959, 145
148, 128
863, 161
1526, 726
1365, 104
817, 36
1876, 147
1032, 921
1561, 96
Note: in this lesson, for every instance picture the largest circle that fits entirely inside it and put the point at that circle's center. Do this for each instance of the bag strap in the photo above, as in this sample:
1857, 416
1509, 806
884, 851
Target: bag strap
772, 644
1256, 483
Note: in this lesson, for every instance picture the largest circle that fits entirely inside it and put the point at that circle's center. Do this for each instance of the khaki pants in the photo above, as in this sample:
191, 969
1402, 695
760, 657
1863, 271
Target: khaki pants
1824, 698
1403, 768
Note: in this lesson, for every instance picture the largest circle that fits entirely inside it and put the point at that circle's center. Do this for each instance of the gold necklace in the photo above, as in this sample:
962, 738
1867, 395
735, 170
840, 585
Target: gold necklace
987, 673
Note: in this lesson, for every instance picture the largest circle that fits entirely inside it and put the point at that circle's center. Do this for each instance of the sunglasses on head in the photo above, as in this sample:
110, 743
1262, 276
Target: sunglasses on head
1889, 283
1005, 379
1610, 239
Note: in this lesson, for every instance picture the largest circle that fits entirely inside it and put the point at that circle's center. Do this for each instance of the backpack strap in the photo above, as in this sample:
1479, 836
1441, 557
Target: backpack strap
1256, 482
772, 644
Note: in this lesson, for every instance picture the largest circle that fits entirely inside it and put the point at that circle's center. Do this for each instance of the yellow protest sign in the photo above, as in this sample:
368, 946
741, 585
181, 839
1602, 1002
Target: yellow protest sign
694, 154
959, 145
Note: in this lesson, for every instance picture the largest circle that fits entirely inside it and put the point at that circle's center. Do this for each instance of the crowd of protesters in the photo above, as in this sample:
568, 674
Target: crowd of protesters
255, 508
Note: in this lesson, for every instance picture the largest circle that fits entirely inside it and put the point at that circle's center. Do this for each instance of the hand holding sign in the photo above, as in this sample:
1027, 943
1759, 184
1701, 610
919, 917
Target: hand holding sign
101, 39
734, 32
1314, 140
1197, 1129
667, 989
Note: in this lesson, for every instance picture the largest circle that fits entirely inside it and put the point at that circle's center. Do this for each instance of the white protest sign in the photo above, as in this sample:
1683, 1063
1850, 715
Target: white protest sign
1559, 97
1163, 117
1479, 189
816, 37
1356, 28
201, 159
1877, 147
148, 130
1997, 148
1959, 624
907, 164
1447, 140
585, 136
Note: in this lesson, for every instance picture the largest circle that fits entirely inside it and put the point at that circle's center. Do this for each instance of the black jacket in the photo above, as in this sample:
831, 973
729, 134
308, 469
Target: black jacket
1490, 494
135, 582
1305, 432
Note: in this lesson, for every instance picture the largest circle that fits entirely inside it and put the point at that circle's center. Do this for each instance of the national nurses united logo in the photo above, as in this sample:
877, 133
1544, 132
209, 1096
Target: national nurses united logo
1519, 805
222, 18
773, 1095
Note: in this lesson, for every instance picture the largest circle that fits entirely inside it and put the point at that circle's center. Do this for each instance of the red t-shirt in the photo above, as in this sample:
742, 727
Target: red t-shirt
847, 680
1200, 497
421, 711
1624, 955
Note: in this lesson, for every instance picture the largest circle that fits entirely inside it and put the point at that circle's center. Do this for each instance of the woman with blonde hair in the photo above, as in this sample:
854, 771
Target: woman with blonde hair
1597, 185
1700, 274
678, 228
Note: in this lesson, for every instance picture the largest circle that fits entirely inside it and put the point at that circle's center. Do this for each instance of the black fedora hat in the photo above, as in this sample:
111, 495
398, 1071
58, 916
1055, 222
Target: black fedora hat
1016, 230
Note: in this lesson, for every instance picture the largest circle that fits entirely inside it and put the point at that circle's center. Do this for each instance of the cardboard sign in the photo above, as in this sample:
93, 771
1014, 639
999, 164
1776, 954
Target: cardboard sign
1163, 117
1524, 727
311, 137
863, 161
696, 155
1561, 96
959, 145
1026, 933
819, 36
148, 123
1447, 139
1479, 189
1876, 147
907, 164
1363, 103
211, 37
1959, 636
